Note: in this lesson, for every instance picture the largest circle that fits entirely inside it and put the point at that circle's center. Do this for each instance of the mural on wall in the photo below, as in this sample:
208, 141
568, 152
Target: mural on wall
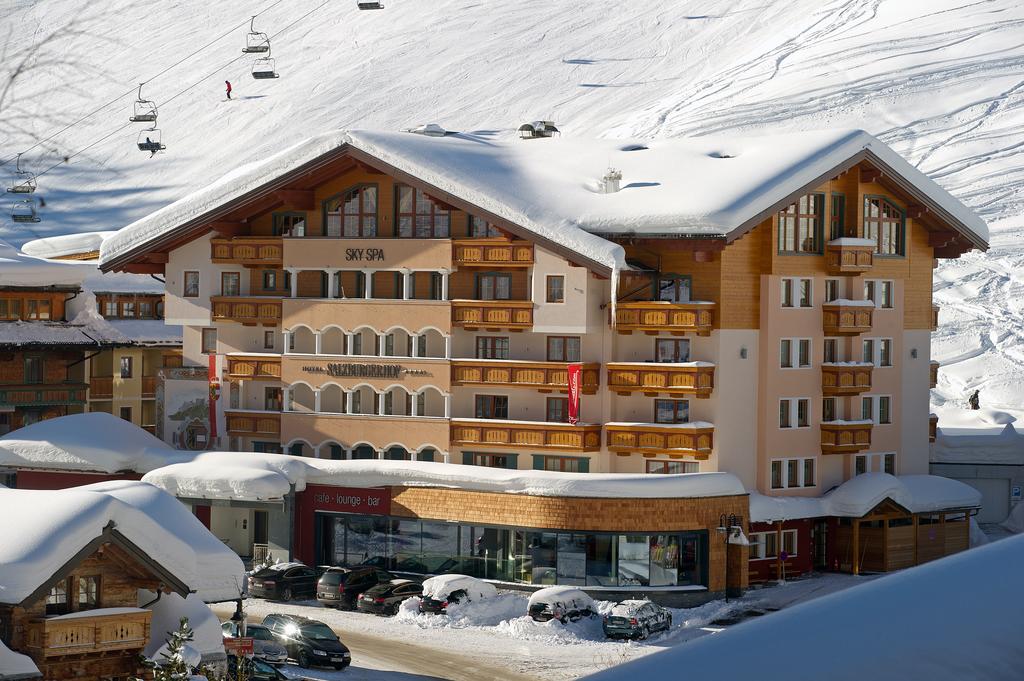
185, 408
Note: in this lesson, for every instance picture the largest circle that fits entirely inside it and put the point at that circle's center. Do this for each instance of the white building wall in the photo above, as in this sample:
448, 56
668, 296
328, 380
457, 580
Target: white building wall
913, 457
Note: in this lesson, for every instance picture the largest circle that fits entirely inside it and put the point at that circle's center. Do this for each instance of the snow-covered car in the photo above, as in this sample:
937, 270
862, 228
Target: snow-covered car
562, 603
439, 592
636, 619
265, 646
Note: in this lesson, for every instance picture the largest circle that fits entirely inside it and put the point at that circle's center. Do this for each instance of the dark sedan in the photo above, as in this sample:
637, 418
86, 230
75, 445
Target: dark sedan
283, 582
308, 642
384, 599
339, 587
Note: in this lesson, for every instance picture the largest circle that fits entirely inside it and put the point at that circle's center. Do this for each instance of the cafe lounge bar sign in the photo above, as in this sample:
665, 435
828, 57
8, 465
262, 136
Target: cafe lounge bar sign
346, 370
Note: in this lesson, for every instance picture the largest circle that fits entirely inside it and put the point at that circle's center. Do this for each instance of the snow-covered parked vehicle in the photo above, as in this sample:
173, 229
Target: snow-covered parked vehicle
562, 603
636, 619
441, 591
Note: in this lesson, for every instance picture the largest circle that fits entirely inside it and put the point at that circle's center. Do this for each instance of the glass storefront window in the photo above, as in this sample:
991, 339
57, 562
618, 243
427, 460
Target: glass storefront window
440, 547
572, 559
692, 557
601, 560
664, 559
634, 560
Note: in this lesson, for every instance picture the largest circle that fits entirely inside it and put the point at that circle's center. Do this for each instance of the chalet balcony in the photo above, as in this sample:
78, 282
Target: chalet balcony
530, 435
252, 423
657, 316
847, 378
254, 367
933, 374
515, 315
86, 633
935, 317
933, 427
43, 395
149, 386
657, 378
498, 253
249, 251
676, 440
246, 311
849, 256
847, 317
101, 388
543, 376
845, 437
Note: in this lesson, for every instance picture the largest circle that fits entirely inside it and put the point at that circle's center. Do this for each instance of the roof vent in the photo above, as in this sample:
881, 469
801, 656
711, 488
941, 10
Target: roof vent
537, 129
634, 147
721, 154
428, 129
610, 181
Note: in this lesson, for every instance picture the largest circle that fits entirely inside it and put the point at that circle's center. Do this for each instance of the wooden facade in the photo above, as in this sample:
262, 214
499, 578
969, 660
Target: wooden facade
539, 436
543, 376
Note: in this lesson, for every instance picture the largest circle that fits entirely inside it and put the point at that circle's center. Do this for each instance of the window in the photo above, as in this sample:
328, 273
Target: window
883, 224
889, 463
126, 367
145, 310
828, 409
877, 351
795, 353
830, 353
672, 467
38, 309
789, 542
127, 310
10, 309
490, 460
672, 350
289, 224
209, 341
492, 347
58, 602
491, 407
671, 411
832, 290
33, 369
837, 220
126, 413
555, 288
674, 288
565, 464
794, 411
494, 286
268, 340
792, 473
877, 409
563, 348
878, 463
796, 292
879, 292
764, 545
109, 309
269, 280
191, 285
88, 593
418, 216
558, 410
800, 225
481, 229
352, 214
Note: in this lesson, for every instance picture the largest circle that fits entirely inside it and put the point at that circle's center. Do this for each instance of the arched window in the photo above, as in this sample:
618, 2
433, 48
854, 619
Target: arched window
420, 217
883, 224
353, 213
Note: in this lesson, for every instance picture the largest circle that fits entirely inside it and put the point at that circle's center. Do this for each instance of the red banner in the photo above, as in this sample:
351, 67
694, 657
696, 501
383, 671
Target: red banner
575, 371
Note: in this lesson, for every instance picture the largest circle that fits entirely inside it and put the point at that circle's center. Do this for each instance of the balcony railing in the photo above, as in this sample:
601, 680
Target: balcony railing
657, 316
57, 636
150, 429
101, 388
254, 367
849, 256
933, 427
252, 423
935, 317
845, 437
246, 311
526, 434
656, 378
493, 314
847, 317
933, 373
852, 378
149, 386
544, 376
695, 440
492, 253
43, 395
247, 250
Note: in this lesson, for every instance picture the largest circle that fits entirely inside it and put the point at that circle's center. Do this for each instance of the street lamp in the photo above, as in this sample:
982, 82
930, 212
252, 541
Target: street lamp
731, 528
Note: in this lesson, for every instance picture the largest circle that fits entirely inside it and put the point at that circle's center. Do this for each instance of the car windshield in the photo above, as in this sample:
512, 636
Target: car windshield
259, 633
332, 578
318, 632
263, 668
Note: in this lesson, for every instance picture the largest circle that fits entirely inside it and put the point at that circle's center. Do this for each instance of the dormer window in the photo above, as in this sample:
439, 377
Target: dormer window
884, 224
800, 225
420, 217
353, 213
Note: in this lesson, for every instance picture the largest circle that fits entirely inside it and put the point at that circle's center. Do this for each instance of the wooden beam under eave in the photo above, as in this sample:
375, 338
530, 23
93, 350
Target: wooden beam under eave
229, 229
301, 199
940, 239
870, 174
951, 252
158, 257
144, 268
915, 211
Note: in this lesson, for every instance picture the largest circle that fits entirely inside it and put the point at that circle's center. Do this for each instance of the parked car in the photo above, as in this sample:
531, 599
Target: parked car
339, 587
308, 642
265, 646
636, 619
283, 582
384, 599
258, 670
562, 603
439, 592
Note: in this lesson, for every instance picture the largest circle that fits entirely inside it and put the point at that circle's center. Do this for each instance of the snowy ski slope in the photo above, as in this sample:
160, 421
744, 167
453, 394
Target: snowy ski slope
942, 81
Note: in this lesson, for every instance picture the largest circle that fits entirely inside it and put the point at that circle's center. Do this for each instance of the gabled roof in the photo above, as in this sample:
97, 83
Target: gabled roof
548, 190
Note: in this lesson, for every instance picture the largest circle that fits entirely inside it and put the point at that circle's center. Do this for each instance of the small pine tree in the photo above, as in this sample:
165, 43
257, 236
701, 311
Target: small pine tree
173, 667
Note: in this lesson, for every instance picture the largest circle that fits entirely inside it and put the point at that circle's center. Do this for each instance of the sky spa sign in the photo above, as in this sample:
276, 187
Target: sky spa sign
375, 501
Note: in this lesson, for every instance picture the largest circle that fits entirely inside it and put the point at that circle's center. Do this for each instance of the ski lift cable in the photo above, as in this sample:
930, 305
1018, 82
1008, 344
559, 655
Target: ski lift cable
121, 96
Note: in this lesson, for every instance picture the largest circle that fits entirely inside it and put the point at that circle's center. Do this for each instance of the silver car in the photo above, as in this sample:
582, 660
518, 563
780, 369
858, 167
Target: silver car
265, 646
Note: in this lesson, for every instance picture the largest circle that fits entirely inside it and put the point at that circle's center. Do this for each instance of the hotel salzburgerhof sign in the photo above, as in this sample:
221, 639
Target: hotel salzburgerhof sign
346, 370
375, 501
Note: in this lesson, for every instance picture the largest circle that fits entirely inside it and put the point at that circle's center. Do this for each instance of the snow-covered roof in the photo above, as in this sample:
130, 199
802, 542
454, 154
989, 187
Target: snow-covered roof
57, 333
43, 529
1004, 446
858, 495
947, 620
703, 186
20, 269
15, 666
65, 244
147, 331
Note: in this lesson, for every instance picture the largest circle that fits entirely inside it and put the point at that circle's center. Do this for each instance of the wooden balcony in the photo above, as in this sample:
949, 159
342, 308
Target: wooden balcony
933, 374
242, 423
842, 380
935, 317
845, 437
43, 395
655, 378
544, 376
695, 440
247, 250
101, 388
149, 386
849, 256
150, 429
846, 318
556, 437
500, 253
515, 315
57, 636
656, 316
254, 367
246, 311
933, 427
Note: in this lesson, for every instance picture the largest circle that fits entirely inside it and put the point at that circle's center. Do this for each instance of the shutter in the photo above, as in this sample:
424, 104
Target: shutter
538, 462
467, 458
511, 461
584, 464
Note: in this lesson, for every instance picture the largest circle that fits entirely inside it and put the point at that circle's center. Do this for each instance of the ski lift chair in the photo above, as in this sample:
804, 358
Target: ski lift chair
24, 181
24, 211
149, 140
145, 110
374, 4
264, 68
255, 42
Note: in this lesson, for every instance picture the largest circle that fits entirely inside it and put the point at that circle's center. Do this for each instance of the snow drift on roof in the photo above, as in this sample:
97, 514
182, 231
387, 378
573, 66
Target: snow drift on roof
65, 244
946, 620
43, 529
208, 638
19, 269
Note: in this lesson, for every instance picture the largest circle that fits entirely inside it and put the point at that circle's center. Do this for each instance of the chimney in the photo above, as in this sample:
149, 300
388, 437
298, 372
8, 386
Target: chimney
610, 181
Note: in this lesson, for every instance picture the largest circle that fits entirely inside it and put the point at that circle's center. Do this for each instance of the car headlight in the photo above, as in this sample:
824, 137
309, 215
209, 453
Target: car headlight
319, 652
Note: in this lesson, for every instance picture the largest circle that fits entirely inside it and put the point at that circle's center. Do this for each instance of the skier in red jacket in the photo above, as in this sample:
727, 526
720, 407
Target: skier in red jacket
227, 84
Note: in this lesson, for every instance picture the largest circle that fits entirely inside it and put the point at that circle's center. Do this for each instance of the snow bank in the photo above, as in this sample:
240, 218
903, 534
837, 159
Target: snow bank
1015, 521
208, 639
15, 666
925, 638
443, 586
